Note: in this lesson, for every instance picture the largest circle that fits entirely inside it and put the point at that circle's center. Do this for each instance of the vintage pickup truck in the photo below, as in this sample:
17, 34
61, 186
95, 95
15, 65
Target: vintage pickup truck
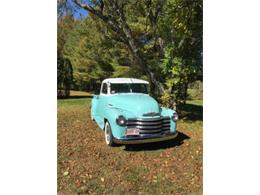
128, 115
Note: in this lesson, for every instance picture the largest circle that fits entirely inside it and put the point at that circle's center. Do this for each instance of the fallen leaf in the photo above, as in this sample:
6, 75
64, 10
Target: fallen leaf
65, 173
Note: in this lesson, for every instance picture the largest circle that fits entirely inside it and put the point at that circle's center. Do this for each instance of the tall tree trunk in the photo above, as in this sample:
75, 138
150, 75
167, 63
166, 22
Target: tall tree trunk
142, 63
132, 45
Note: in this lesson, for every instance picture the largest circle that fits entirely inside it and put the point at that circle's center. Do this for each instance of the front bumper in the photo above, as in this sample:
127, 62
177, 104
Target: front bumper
145, 139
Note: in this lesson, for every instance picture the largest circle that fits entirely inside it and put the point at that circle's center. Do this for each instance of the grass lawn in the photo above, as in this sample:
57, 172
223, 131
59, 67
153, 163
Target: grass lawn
87, 166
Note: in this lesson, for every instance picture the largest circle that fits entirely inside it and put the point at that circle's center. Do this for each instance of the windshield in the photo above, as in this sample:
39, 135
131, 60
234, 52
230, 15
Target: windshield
128, 88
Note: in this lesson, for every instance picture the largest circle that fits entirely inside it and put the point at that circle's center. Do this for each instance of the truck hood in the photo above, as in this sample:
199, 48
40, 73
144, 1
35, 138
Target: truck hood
136, 104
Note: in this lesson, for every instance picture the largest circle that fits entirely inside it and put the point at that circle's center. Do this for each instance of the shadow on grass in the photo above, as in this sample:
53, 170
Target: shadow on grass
190, 112
159, 145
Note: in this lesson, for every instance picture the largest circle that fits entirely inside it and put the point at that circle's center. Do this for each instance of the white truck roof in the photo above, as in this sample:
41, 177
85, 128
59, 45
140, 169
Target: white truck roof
124, 80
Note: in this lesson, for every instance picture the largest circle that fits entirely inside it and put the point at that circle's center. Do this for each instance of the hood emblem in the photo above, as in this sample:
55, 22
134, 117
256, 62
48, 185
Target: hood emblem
152, 114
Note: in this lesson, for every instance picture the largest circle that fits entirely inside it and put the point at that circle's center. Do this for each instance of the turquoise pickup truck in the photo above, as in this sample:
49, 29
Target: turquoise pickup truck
128, 115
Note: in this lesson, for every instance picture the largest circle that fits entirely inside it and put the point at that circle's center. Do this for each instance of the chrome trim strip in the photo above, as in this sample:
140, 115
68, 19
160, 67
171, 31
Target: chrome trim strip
149, 127
166, 124
152, 114
166, 120
149, 119
145, 139
143, 123
165, 128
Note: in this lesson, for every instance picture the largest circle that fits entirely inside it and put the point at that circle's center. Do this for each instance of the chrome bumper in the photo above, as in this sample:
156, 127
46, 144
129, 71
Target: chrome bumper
145, 139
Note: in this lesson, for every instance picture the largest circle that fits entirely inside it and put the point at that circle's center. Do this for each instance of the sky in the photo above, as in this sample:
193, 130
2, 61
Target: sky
71, 8
80, 13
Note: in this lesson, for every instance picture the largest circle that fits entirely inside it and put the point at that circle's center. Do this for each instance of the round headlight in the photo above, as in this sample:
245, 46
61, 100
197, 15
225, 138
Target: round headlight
175, 116
121, 121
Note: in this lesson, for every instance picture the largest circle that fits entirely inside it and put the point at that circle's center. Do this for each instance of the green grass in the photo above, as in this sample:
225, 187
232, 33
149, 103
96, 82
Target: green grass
172, 167
77, 98
74, 102
195, 102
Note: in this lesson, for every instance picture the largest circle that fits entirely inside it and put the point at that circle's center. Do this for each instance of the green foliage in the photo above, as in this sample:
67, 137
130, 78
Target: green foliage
95, 55
83, 48
181, 28
195, 91
64, 67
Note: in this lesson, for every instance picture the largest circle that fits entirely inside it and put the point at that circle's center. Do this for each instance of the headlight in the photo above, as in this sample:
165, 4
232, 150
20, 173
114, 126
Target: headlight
175, 116
121, 120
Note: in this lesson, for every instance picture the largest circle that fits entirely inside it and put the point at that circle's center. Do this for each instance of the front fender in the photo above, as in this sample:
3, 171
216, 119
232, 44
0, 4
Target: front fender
169, 112
111, 114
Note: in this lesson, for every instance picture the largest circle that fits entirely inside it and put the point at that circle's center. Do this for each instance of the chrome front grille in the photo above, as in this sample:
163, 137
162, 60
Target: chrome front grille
150, 125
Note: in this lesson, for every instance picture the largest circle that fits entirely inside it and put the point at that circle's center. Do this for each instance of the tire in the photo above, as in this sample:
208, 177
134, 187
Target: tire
91, 114
92, 117
108, 135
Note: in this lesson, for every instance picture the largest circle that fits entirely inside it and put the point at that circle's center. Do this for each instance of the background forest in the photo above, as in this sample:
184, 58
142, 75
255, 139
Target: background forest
156, 40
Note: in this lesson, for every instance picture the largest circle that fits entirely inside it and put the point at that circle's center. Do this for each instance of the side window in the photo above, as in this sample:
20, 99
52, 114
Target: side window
104, 88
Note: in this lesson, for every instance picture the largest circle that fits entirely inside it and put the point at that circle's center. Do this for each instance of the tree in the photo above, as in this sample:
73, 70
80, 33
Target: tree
182, 62
86, 49
64, 73
64, 68
95, 55
115, 14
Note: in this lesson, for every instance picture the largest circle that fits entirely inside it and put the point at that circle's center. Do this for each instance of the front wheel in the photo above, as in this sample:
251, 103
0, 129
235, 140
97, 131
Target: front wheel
108, 134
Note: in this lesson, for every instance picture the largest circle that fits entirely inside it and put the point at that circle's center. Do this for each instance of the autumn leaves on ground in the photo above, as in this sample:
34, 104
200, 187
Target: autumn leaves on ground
87, 166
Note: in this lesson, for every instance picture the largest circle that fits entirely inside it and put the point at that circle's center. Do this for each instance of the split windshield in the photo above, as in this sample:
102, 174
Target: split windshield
128, 88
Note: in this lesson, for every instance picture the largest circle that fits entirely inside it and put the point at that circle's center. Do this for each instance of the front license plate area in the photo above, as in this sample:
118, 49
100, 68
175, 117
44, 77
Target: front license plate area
132, 131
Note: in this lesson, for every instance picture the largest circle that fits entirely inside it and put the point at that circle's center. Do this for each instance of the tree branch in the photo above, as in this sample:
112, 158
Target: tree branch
99, 13
101, 6
84, 6
153, 17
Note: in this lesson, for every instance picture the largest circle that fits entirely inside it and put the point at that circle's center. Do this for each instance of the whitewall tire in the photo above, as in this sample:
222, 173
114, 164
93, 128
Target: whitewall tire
108, 134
